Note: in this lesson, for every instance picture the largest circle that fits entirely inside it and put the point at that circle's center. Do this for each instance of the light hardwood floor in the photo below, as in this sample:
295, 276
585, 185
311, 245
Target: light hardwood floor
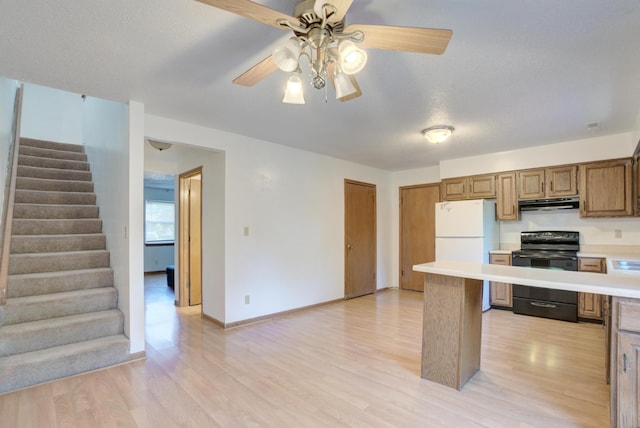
351, 363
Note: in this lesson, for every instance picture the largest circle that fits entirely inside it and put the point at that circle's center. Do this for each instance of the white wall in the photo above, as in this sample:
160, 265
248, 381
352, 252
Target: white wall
592, 149
158, 257
51, 114
106, 135
292, 201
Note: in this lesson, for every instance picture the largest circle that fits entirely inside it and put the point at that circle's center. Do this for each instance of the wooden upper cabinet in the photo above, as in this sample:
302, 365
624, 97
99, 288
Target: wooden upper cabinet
482, 186
473, 187
455, 188
606, 189
531, 184
561, 181
507, 201
556, 182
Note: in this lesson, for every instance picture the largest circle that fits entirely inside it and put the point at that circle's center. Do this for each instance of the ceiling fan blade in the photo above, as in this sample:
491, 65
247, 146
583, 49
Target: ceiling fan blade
252, 10
257, 72
342, 6
331, 70
407, 39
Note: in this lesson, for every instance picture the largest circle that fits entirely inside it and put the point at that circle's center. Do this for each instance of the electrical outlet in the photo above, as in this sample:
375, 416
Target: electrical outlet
246, 299
617, 233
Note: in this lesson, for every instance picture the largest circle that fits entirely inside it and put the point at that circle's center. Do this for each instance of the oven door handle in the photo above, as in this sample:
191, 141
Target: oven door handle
543, 305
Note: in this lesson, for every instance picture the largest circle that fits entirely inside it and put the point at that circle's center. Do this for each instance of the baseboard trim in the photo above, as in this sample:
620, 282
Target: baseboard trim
213, 320
137, 356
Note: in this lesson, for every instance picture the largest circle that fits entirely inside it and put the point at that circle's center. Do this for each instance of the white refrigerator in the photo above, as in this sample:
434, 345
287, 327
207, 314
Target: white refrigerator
467, 231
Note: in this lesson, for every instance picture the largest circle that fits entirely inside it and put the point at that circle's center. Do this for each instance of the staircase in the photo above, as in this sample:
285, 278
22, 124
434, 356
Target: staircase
61, 316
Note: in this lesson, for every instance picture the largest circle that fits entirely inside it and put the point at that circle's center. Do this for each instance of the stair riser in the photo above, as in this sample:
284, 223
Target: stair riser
28, 337
20, 371
43, 144
53, 163
59, 305
52, 154
44, 211
25, 244
53, 173
55, 198
25, 183
56, 227
58, 282
54, 262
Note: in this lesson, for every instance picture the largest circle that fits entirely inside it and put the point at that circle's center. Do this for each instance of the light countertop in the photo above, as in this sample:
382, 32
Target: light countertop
625, 284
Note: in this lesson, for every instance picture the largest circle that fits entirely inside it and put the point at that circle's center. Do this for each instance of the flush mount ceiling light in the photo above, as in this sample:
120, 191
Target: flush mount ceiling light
159, 145
438, 134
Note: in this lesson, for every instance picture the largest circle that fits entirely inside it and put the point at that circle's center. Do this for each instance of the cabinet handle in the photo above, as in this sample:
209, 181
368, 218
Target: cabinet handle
543, 187
624, 362
551, 185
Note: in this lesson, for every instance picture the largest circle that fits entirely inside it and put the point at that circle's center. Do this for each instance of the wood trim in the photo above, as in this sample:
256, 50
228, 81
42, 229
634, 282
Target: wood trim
8, 219
267, 317
136, 356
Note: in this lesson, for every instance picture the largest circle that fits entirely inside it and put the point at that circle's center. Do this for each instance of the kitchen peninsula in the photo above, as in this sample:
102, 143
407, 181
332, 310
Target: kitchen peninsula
453, 322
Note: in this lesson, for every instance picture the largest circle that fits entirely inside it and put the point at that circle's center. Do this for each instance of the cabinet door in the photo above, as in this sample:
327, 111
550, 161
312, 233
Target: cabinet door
592, 264
507, 202
606, 189
590, 305
531, 184
562, 181
482, 186
455, 188
627, 379
500, 292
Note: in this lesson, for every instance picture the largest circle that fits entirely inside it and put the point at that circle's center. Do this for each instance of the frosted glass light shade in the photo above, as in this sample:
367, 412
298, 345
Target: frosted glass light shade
293, 94
438, 134
343, 85
352, 58
286, 56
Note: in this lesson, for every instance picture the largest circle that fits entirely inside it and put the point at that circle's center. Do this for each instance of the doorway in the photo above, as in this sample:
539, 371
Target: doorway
190, 242
417, 232
359, 238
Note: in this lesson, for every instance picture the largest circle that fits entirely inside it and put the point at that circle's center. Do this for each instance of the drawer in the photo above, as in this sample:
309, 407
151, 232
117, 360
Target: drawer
629, 316
500, 259
588, 264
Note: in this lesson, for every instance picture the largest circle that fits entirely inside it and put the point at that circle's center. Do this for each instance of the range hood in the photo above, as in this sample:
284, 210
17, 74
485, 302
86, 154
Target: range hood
549, 204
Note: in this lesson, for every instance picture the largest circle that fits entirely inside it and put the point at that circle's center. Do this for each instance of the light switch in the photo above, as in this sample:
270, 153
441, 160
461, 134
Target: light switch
246, 231
617, 233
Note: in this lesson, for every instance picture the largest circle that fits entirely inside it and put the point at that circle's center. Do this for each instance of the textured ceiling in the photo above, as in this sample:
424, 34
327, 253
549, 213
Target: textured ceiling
515, 74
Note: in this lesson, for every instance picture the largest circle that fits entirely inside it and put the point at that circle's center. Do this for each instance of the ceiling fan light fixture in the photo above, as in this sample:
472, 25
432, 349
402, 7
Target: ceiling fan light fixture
438, 134
286, 55
352, 58
343, 85
293, 94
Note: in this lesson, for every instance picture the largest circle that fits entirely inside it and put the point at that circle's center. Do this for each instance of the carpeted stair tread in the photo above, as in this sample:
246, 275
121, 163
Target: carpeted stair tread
18, 371
52, 211
27, 226
25, 244
53, 173
36, 335
59, 261
53, 163
55, 198
50, 185
34, 284
44, 144
52, 153
34, 308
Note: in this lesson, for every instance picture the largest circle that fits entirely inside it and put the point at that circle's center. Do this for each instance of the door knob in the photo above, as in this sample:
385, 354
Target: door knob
349, 247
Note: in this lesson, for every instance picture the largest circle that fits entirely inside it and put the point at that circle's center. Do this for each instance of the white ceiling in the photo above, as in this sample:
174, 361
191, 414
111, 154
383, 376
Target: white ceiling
515, 74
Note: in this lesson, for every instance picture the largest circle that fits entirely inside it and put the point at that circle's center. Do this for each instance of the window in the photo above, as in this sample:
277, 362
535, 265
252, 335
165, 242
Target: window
159, 223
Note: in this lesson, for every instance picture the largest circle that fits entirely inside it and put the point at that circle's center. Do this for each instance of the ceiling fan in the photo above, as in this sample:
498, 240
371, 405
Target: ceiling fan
333, 51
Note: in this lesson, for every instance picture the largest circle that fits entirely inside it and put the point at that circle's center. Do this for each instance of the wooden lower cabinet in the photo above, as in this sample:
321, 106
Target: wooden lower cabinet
500, 292
589, 304
625, 375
